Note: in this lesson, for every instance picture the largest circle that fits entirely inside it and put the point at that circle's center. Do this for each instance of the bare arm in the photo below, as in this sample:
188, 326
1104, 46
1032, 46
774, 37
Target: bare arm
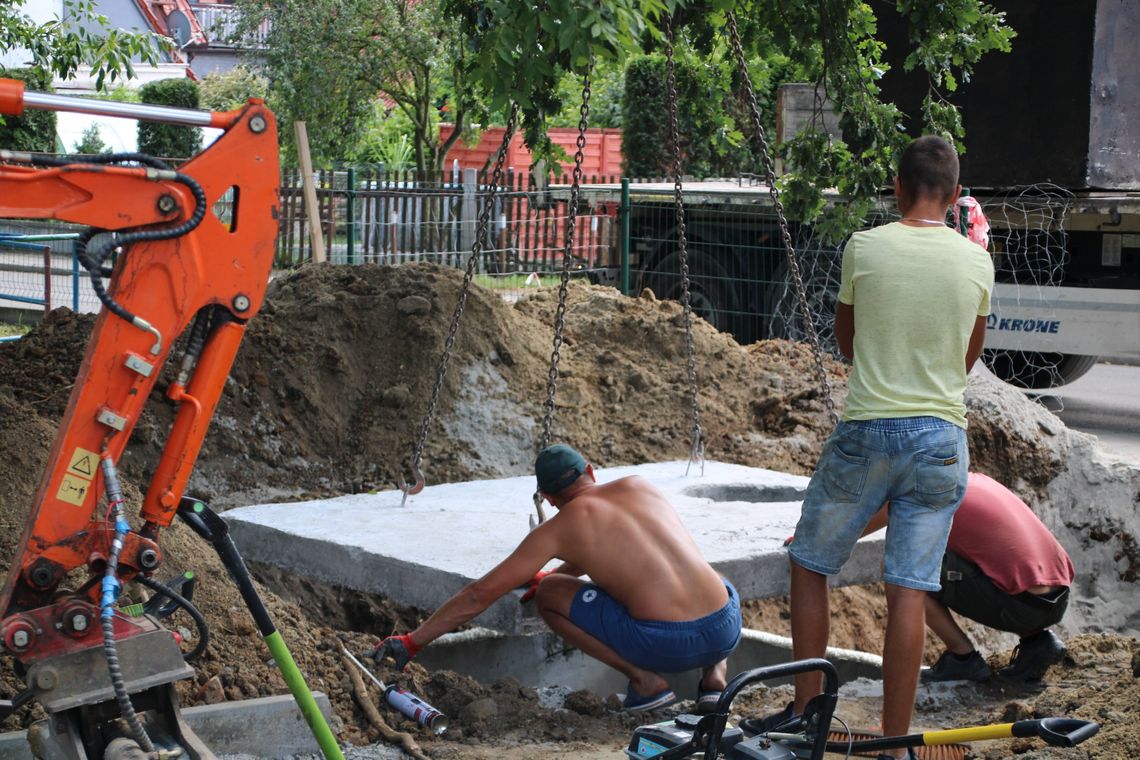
977, 340
845, 329
528, 558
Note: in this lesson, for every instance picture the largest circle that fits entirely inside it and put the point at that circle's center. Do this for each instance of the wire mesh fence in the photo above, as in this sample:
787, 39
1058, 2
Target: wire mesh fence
38, 269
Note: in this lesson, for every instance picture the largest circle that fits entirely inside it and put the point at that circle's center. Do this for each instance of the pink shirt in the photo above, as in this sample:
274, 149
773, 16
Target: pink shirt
999, 533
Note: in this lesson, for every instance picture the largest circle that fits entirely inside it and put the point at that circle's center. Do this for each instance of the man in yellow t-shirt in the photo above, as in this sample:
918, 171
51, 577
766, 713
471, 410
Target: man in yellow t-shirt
912, 306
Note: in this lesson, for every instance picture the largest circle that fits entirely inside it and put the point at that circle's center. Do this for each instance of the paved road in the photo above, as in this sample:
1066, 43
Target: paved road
1105, 403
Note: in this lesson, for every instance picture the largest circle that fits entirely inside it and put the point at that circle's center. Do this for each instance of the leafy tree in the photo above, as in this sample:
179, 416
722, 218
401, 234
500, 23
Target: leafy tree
225, 91
34, 130
169, 140
522, 50
91, 142
328, 60
59, 48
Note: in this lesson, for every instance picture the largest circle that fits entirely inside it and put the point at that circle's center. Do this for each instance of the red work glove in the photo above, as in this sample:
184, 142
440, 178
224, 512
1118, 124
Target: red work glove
400, 648
532, 586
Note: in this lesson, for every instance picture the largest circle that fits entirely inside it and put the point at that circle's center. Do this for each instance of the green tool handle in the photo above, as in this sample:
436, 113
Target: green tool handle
207, 524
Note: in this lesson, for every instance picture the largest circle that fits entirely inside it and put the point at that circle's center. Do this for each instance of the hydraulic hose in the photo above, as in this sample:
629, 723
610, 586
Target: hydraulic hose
92, 261
111, 589
186, 604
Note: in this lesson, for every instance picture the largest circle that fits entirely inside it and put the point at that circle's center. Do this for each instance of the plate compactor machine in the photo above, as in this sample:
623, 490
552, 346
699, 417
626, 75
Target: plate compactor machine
170, 252
709, 737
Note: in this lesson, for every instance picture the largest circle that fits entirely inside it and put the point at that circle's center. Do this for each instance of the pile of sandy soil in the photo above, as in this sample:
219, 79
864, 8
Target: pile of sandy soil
332, 382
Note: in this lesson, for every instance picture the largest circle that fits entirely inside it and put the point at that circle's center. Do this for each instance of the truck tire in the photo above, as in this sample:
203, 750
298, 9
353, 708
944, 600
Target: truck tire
1036, 370
712, 291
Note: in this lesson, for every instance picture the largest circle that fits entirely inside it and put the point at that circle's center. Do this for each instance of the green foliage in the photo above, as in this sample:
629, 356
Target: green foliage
58, 48
34, 130
169, 140
523, 49
225, 91
91, 142
386, 140
607, 83
328, 60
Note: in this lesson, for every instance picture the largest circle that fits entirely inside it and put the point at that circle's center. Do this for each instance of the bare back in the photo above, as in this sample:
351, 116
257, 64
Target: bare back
626, 536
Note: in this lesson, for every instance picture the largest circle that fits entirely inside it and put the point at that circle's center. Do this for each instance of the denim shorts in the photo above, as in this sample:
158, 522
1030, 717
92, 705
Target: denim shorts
662, 646
918, 464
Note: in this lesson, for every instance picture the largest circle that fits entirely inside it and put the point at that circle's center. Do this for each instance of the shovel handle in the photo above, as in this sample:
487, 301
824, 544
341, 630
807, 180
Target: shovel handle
1057, 732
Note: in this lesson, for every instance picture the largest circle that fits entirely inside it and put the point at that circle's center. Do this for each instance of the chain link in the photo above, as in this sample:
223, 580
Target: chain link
567, 256
696, 440
789, 249
481, 225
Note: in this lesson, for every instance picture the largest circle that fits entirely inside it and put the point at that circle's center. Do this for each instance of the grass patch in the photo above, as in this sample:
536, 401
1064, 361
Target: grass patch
503, 281
7, 329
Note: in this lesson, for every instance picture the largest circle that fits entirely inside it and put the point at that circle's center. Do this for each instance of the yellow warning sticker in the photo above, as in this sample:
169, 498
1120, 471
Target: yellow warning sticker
83, 463
73, 490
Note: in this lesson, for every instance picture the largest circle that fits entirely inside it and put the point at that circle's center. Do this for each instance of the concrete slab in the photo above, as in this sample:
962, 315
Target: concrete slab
451, 534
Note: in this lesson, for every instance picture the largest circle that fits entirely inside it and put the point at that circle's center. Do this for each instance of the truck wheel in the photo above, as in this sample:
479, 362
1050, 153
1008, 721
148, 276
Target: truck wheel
712, 292
1037, 370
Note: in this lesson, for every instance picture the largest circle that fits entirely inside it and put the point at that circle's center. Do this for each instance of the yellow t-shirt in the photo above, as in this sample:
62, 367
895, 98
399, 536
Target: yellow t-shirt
917, 292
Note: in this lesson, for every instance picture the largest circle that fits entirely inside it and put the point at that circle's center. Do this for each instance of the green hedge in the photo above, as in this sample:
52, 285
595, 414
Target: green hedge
35, 130
169, 140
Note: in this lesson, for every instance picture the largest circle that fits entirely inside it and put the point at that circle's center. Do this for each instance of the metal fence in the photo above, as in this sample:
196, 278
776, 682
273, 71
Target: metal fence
368, 215
39, 270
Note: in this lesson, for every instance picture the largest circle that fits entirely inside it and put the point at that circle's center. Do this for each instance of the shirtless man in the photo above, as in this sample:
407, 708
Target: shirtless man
653, 604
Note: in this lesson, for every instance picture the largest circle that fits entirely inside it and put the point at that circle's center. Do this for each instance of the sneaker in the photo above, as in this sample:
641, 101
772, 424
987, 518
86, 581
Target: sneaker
910, 755
634, 702
785, 722
1033, 656
707, 699
951, 668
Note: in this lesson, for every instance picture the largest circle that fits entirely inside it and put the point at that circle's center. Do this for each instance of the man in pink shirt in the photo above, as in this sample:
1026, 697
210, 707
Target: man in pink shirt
1003, 569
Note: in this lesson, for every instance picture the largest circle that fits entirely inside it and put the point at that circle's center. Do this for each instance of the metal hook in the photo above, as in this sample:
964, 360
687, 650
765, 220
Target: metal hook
538, 508
696, 452
415, 487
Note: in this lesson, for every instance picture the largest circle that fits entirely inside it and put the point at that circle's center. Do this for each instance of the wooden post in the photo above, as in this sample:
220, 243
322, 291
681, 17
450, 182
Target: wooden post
310, 192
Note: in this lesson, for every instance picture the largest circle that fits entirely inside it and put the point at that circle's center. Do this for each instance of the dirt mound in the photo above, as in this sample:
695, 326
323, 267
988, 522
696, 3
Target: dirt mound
332, 381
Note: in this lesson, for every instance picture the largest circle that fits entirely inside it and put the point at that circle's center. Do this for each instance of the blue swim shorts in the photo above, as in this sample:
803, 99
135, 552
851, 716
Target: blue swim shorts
918, 464
659, 645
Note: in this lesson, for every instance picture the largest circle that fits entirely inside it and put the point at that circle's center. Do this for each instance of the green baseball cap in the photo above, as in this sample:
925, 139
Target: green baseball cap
557, 467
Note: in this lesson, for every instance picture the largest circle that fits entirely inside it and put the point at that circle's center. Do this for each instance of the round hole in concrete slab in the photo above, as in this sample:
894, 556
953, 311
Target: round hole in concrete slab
744, 492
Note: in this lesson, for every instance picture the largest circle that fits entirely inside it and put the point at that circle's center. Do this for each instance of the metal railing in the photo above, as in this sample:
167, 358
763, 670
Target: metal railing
38, 267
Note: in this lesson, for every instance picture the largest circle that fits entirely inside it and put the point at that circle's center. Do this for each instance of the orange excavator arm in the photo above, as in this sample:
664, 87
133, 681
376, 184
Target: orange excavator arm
179, 266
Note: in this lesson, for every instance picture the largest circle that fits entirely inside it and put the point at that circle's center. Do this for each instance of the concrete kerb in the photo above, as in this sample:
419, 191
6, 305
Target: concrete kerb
269, 727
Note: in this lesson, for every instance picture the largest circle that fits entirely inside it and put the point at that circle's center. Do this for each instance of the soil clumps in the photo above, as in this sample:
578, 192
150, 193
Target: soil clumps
326, 397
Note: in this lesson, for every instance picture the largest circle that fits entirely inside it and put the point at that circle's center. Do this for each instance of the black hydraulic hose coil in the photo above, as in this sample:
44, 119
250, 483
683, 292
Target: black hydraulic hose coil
199, 620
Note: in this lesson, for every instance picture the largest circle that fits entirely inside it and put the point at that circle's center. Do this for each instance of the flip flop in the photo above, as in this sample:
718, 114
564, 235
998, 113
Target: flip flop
635, 702
707, 699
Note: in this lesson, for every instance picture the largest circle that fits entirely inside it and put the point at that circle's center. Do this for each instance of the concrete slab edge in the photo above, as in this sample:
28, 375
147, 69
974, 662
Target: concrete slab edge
543, 660
268, 727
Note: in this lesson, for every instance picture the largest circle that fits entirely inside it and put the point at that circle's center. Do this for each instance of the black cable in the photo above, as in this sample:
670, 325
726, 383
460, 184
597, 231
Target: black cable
186, 604
93, 261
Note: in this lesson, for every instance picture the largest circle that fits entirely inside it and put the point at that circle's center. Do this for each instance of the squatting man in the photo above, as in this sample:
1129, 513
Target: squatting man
620, 534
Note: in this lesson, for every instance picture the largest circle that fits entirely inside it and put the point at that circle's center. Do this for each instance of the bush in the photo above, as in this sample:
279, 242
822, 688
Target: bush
35, 130
91, 143
169, 140
710, 142
226, 91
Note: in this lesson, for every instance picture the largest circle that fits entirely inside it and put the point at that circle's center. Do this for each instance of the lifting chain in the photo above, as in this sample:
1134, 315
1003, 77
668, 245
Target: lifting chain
697, 444
567, 255
418, 481
789, 250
